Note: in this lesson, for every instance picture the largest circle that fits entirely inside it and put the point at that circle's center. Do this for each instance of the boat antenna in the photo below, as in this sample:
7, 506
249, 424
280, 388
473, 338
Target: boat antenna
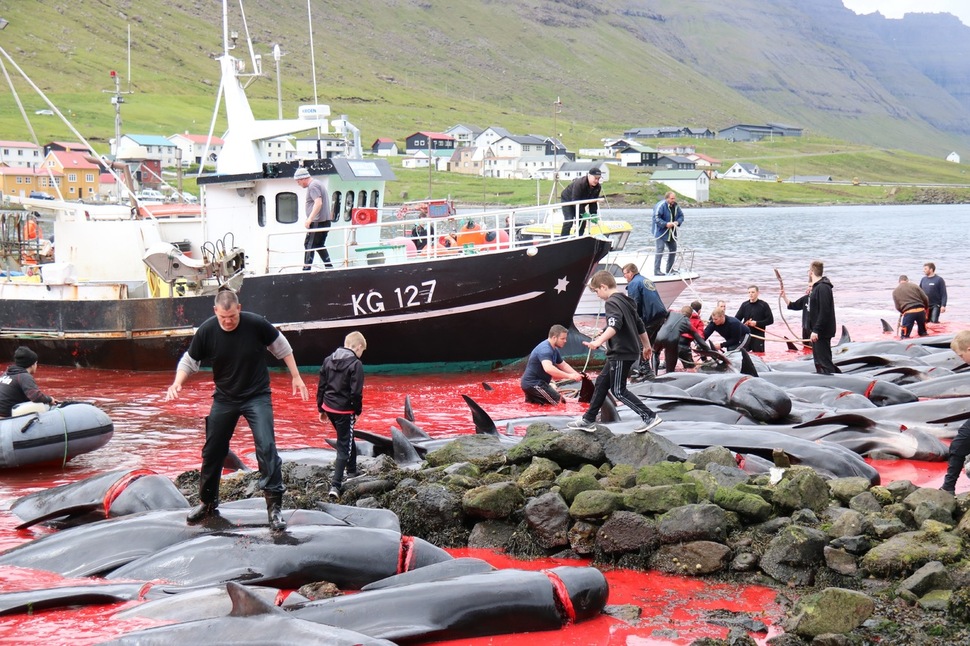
117, 98
556, 109
313, 60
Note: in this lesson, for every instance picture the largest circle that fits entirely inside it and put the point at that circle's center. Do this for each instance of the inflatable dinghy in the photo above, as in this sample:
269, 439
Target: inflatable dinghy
53, 436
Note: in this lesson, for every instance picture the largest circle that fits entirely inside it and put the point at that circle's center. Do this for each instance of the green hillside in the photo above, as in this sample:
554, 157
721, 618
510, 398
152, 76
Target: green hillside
398, 66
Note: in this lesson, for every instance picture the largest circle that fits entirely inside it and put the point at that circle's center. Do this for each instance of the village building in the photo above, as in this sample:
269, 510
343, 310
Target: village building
745, 171
21, 181
438, 143
465, 135
77, 176
750, 132
384, 147
22, 154
694, 184
197, 150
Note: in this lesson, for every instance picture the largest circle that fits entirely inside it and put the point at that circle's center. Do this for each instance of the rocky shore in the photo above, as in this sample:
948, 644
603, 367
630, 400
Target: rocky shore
852, 563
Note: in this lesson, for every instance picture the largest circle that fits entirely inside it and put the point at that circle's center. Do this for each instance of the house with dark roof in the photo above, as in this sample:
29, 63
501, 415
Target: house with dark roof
385, 147
751, 132
638, 155
438, 143
675, 162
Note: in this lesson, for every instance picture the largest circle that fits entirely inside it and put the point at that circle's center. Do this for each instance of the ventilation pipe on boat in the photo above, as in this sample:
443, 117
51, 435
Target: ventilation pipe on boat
344, 127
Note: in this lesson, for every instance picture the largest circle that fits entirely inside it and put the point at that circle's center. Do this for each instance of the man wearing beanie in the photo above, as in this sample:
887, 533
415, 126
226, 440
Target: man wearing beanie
17, 384
318, 218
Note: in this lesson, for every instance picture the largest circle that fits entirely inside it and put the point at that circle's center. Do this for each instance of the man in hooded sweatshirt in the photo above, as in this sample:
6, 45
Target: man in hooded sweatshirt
17, 384
340, 397
821, 317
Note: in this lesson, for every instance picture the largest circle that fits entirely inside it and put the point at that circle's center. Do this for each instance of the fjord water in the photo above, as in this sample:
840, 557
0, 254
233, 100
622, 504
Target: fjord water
864, 250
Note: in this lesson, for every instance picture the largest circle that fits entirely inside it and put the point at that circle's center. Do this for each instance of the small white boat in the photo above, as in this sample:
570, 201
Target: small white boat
618, 232
52, 436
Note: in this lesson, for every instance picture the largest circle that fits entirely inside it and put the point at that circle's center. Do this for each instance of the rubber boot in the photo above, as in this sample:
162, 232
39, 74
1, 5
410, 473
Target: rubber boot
274, 510
202, 512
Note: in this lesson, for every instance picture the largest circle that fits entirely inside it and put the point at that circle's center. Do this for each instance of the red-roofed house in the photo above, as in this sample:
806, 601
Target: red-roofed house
193, 147
20, 153
19, 181
438, 143
80, 176
700, 159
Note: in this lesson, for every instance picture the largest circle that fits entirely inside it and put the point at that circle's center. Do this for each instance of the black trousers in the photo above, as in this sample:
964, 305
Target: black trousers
822, 353
569, 217
316, 240
959, 450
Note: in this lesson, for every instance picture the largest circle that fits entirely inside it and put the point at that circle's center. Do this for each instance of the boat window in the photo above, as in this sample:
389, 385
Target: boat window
335, 207
349, 206
261, 210
287, 208
374, 197
362, 199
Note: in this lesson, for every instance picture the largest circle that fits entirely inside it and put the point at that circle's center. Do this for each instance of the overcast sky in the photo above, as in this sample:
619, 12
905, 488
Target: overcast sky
896, 8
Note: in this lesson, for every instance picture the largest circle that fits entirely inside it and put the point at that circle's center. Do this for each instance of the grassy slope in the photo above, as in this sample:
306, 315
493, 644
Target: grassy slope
397, 66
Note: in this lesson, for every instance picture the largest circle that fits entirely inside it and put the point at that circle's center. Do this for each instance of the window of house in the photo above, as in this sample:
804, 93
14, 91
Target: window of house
72, 177
89, 178
287, 208
20, 180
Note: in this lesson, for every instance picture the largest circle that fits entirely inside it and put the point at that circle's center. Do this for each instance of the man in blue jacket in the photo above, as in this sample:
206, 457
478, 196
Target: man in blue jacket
667, 218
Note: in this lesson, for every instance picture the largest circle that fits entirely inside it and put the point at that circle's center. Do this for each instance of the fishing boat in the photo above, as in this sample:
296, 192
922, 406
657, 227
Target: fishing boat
131, 283
52, 436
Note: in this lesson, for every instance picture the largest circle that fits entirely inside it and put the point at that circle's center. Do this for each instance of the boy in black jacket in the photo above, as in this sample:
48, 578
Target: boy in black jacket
340, 398
623, 326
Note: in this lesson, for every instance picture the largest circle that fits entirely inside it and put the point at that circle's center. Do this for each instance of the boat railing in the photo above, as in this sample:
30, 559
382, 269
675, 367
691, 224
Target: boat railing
390, 240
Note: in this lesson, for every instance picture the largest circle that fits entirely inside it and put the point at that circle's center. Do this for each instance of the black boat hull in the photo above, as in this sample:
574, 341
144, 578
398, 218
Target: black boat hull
485, 307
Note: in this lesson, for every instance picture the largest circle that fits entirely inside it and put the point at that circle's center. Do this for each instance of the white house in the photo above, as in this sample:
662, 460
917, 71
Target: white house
571, 170
323, 147
417, 160
146, 147
278, 149
490, 135
23, 154
952, 157
694, 184
747, 171
464, 135
198, 150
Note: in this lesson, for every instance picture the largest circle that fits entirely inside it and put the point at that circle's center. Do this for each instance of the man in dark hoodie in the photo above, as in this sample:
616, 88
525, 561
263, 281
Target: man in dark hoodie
340, 396
675, 336
17, 384
821, 317
623, 327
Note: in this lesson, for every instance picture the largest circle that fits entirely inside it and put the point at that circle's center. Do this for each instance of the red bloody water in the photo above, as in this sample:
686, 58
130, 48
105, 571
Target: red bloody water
167, 437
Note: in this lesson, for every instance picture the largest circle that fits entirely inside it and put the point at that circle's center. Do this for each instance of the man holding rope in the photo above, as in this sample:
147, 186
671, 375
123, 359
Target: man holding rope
756, 314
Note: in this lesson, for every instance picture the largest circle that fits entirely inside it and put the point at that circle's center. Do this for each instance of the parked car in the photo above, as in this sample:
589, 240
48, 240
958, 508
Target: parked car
40, 195
150, 195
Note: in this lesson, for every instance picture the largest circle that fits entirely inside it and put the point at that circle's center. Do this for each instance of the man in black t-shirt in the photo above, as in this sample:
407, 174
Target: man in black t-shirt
235, 343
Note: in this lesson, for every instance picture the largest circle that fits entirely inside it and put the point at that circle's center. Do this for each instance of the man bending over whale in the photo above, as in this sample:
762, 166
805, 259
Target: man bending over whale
235, 342
960, 446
